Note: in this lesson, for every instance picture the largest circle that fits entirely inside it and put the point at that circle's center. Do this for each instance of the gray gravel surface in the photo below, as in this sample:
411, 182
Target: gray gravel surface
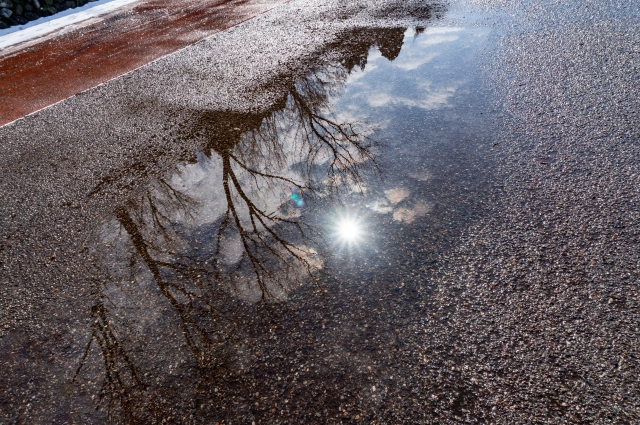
536, 316
531, 315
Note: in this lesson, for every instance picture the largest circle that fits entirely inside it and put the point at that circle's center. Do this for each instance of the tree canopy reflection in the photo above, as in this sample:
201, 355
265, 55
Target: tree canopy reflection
257, 245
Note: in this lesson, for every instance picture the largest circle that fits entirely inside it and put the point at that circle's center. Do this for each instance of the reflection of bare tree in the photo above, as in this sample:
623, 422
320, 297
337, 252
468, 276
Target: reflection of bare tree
327, 155
260, 240
296, 146
182, 299
120, 375
342, 145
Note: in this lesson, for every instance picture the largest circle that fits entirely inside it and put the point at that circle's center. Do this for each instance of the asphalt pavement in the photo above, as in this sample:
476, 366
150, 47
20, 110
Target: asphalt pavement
366, 212
40, 71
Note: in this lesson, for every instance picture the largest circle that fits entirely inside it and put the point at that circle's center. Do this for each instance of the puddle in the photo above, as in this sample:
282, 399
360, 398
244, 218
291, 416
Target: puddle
300, 239
275, 275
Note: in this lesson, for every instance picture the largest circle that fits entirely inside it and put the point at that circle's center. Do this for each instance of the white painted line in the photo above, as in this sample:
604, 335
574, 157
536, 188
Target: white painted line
43, 26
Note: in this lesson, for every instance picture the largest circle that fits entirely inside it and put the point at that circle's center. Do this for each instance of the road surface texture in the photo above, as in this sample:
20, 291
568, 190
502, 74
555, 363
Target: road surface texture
337, 212
71, 61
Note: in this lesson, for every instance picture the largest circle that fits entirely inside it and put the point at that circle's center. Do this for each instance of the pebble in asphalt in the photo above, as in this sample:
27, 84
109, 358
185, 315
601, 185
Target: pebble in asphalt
393, 214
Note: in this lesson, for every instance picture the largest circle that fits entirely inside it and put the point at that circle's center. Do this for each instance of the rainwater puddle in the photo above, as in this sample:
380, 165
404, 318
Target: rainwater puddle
283, 265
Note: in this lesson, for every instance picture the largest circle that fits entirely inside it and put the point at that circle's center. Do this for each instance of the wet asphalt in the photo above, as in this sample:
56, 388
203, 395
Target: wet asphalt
173, 247
35, 74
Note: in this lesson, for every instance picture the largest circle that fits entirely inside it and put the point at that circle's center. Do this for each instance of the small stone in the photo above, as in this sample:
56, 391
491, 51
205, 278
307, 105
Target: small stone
6, 3
5, 13
32, 16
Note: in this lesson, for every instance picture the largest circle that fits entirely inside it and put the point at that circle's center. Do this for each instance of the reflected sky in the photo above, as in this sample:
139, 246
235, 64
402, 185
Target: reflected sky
380, 98
423, 76
429, 78
354, 181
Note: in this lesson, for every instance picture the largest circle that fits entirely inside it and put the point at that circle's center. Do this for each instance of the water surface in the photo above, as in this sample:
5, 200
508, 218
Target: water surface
274, 273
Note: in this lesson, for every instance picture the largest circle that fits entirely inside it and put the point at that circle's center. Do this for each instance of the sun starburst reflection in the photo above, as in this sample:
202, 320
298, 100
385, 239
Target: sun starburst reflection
349, 230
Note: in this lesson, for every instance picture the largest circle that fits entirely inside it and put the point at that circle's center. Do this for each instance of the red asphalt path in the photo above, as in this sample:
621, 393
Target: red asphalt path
57, 67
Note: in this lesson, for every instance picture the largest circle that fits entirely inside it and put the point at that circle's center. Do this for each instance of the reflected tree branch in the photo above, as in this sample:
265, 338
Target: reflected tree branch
296, 145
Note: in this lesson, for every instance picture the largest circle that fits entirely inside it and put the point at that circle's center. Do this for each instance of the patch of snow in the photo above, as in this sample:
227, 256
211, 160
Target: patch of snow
43, 26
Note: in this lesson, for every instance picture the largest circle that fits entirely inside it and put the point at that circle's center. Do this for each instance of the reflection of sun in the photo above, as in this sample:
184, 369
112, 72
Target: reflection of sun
348, 230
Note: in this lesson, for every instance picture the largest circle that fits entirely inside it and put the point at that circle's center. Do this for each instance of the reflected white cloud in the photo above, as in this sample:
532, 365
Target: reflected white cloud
379, 99
397, 194
415, 62
381, 206
427, 65
442, 30
438, 39
430, 99
421, 175
231, 251
371, 66
408, 215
